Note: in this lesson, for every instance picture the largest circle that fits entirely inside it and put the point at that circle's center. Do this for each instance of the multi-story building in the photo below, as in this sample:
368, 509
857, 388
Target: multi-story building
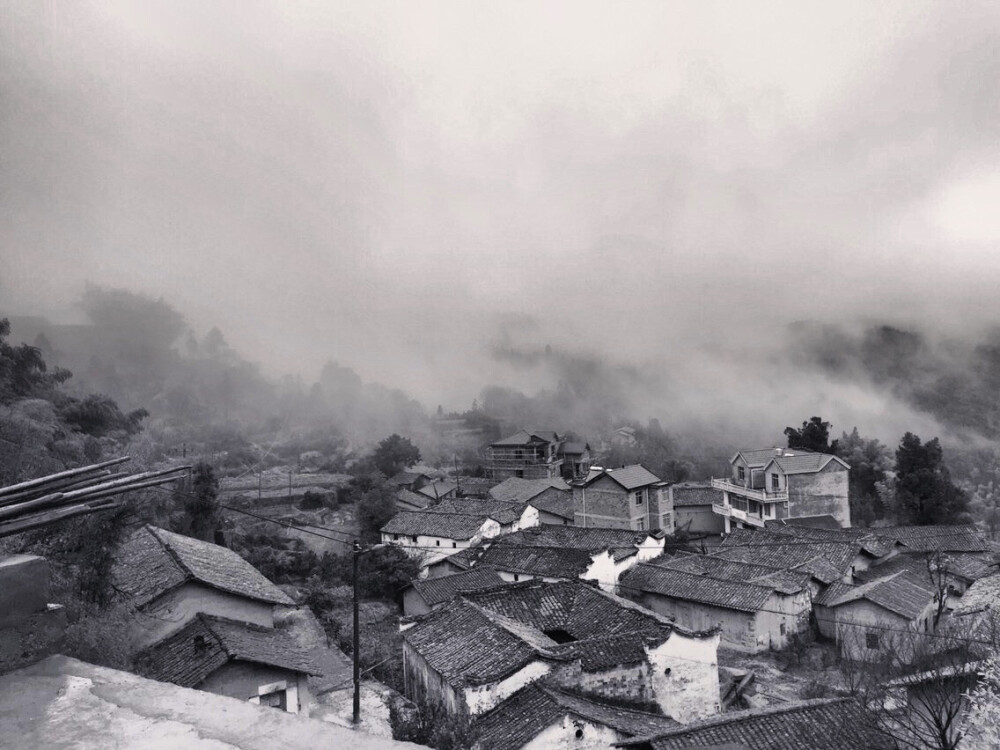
630, 497
783, 483
537, 454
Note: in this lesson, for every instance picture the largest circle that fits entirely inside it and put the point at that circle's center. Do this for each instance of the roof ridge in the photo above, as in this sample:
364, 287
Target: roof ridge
171, 552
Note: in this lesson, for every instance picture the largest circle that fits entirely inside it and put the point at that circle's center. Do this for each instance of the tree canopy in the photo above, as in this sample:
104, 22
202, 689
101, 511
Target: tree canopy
814, 435
924, 492
394, 454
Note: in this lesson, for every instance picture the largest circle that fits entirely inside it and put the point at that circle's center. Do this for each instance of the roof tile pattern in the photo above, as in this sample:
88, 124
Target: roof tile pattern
190, 655
428, 523
893, 593
435, 591
503, 513
824, 724
655, 579
629, 477
154, 561
518, 490
784, 581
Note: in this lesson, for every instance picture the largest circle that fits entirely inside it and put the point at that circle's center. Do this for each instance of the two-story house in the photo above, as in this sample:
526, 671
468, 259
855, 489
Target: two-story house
631, 497
537, 454
783, 483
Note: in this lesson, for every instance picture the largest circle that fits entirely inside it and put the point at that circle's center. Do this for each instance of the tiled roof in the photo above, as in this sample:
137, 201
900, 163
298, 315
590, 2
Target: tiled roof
437, 590
554, 501
606, 652
428, 523
629, 477
822, 521
931, 538
689, 494
190, 655
553, 562
532, 709
581, 610
518, 490
407, 477
824, 724
866, 538
804, 463
576, 537
894, 593
760, 457
501, 512
412, 500
825, 561
154, 561
466, 645
474, 485
524, 437
655, 579
437, 490
784, 581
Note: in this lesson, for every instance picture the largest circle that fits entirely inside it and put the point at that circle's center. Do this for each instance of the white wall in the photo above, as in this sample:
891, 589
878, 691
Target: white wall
482, 698
172, 611
563, 736
691, 689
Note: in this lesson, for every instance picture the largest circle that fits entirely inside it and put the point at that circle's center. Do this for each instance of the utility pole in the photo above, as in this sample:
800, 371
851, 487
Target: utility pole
357, 638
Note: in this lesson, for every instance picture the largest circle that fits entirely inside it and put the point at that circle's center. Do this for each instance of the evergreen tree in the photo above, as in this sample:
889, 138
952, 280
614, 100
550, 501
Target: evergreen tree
924, 492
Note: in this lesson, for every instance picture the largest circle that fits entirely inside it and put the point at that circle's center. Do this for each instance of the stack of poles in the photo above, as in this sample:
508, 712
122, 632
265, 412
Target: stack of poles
76, 492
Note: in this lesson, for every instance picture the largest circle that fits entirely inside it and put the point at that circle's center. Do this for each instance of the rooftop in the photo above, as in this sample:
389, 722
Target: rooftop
437, 590
502, 512
205, 644
783, 581
868, 539
154, 561
629, 477
824, 724
525, 437
931, 538
518, 490
691, 493
982, 595
656, 579
520, 718
429, 523
825, 561
894, 593
66, 704
413, 500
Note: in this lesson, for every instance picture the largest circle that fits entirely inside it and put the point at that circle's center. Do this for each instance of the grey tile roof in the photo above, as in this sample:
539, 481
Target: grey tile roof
931, 538
894, 593
554, 562
676, 584
824, 724
407, 500
825, 561
532, 709
524, 437
982, 595
437, 490
557, 502
434, 591
518, 490
459, 526
800, 462
623, 542
629, 477
190, 655
868, 539
783, 581
502, 512
407, 477
154, 561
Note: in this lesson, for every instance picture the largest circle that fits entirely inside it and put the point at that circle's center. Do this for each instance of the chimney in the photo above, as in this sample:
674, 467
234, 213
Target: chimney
30, 627
779, 451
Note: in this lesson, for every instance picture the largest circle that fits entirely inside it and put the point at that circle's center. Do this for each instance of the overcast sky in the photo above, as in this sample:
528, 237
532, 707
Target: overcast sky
394, 185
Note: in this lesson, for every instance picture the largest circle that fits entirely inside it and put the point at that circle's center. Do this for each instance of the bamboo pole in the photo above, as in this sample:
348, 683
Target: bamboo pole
8, 528
43, 481
63, 485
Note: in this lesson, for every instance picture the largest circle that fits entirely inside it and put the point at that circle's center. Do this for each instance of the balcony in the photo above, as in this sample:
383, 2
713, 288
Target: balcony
761, 496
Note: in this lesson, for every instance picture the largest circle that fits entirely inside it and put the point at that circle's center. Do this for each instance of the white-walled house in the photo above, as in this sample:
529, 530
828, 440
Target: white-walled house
479, 649
428, 536
171, 579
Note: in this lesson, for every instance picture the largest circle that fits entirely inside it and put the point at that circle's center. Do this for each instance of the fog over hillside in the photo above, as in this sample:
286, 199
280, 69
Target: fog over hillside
699, 212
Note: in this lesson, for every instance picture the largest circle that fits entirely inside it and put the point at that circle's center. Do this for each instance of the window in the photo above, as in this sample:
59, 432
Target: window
640, 524
437, 542
516, 577
454, 544
871, 641
782, 628
277, 699
741, 472
395, 537
775, 482
414, 539
639, 496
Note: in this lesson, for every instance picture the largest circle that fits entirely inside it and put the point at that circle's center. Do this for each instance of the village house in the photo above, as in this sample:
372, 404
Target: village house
237, 659
631, 497
409, 480
540, 717
171, 579
423, 595
537, 454
409, 500
757, 608
977, 614
782, 483
692, 503
441, 489
821, 724
871, 619
427, 536
511, 516
553, 498
554, 553
475, 652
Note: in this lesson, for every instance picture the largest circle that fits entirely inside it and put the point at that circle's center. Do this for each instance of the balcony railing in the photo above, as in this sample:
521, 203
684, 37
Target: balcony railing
761, 496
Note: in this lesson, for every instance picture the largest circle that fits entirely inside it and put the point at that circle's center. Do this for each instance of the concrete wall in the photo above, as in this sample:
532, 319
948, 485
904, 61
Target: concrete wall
176, 608
855, 620
422, 684
684, 673
248, 682
698, 519
605, 504
30, 627
822, 493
